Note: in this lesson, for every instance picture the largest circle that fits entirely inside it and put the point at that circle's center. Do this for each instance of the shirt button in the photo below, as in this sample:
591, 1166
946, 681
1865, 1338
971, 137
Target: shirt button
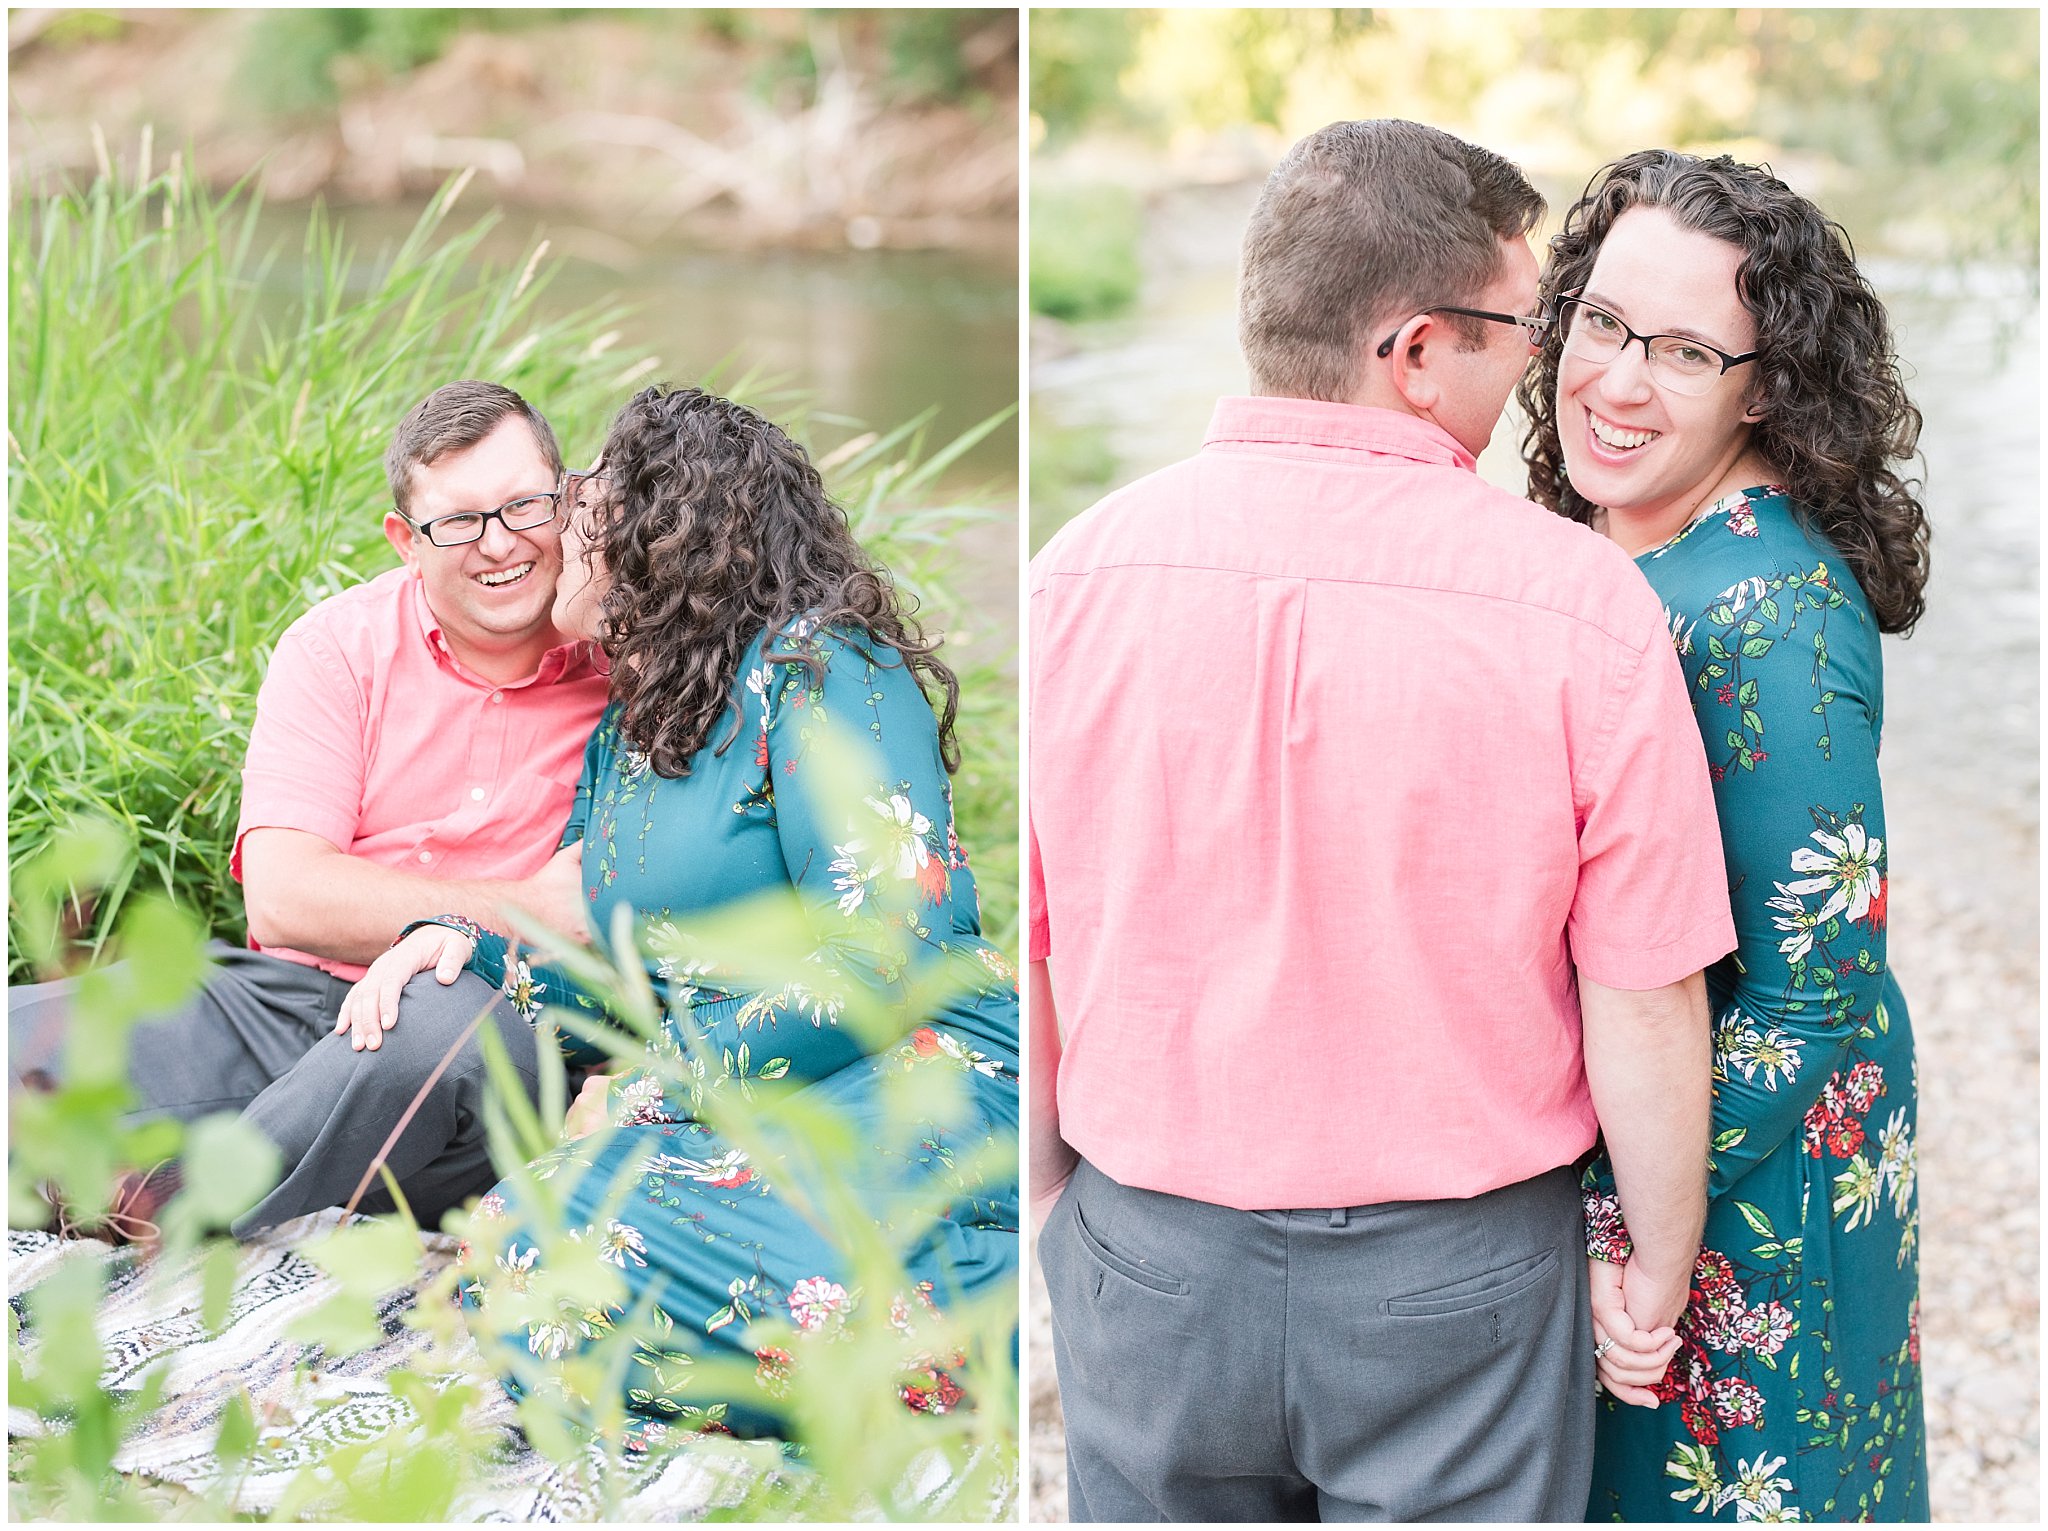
426, 855
476, 794
497, 696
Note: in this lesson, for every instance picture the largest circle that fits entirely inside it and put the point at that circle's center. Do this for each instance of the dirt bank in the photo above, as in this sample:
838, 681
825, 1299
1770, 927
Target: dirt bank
658, 122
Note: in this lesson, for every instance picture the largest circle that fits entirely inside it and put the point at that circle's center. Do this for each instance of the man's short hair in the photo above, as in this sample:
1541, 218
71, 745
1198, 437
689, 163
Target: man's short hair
454, 416
1367, 223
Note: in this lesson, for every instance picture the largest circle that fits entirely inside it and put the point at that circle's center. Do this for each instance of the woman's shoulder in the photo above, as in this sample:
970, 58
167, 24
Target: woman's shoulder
1757, 548
835, 646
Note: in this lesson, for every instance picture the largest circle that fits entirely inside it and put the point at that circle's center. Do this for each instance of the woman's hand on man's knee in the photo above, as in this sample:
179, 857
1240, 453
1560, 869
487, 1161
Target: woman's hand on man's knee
371, 1008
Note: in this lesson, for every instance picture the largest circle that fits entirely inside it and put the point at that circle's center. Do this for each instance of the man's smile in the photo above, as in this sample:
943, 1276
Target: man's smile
497, 579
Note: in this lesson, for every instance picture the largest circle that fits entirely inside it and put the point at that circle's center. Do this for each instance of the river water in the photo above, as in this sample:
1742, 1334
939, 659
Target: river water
1961, 750
875, 335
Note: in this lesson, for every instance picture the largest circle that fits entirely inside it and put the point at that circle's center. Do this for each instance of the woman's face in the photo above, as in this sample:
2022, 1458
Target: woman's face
1631, 444
580, 591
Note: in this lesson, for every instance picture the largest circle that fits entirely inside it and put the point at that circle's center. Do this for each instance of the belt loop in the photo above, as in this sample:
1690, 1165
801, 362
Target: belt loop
1339, 1216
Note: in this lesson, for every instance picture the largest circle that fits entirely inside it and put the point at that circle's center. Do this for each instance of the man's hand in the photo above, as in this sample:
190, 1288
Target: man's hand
591, 1107
1654, 1299
1053, 1161
1636, 1359
371, 1008
554, 895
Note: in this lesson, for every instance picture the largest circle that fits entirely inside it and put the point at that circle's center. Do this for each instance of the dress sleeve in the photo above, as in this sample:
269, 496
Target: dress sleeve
1786, 685
1791, 734
875, 860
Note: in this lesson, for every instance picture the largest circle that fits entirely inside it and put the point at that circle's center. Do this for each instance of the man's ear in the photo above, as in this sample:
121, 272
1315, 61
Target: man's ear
403, 539
1418, 344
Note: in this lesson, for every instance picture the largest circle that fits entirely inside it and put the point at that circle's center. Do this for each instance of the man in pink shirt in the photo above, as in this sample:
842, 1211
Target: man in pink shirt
415, 751
1373, 866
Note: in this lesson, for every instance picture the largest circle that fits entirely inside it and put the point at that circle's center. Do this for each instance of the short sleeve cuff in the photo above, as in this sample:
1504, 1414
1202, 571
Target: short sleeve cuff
285, 809
1653, 967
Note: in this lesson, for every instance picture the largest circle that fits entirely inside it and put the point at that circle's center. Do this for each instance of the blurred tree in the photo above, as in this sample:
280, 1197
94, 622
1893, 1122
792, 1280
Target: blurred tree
1939, 109
1077, 62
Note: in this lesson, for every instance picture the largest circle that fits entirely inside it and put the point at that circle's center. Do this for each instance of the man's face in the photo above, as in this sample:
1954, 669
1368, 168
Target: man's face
1478, 382
493, 596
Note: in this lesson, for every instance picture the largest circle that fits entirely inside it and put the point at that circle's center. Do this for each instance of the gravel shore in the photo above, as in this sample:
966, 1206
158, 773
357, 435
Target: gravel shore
1974, 996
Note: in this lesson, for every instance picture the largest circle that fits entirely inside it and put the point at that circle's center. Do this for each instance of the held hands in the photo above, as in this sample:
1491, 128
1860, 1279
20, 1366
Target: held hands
371, 1008
1633, 1355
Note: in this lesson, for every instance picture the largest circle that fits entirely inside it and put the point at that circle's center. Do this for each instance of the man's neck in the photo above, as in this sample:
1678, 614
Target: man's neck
502, 666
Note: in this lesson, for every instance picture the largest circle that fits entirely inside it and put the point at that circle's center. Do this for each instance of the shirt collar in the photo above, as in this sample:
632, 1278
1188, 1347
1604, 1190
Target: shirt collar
565, 661
1243, 422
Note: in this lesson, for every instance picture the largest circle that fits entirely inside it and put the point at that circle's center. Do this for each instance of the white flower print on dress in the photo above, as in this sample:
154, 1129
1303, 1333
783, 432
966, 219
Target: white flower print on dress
1858, 1190
1738, 1044
851, 879
1848, 872
906, 831
1897, 1162
1792, 916
1681, 632
638, 1101
622, 1242
517, 1267
524, 991
815, 1302
1699, 1478
1743, 594
1757, 1492
549, 1339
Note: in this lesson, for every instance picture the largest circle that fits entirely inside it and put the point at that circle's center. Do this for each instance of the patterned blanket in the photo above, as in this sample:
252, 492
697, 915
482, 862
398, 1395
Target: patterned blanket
307, 1405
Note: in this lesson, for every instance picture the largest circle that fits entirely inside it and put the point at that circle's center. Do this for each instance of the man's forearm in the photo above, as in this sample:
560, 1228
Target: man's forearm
1649, 1061
345, 908
1052, 1161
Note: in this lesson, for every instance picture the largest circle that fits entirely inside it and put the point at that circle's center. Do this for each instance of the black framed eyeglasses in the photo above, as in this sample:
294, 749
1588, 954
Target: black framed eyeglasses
1677, 362
465, 526
1535, 326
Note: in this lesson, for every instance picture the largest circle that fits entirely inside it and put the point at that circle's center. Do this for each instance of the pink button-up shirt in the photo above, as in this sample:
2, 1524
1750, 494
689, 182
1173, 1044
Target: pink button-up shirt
371, 735
1341, 761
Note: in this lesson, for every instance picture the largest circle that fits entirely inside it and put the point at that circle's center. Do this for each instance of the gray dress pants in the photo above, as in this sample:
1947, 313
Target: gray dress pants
258, 1040
1407, 1361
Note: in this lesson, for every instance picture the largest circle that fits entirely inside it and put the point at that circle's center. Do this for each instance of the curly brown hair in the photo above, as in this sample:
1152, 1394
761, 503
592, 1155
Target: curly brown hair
715, 528
1834, 413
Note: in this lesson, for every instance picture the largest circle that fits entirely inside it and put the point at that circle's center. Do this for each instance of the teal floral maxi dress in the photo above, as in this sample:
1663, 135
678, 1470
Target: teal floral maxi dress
1795, 1393
704, 1237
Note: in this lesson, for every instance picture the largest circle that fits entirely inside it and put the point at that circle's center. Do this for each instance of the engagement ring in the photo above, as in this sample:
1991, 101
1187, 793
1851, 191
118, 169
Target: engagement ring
1602, 1348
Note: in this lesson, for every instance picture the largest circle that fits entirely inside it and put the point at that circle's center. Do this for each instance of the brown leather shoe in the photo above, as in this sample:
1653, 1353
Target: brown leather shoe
131, 1218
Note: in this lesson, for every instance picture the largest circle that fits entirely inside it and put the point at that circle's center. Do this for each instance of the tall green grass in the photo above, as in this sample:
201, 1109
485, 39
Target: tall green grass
196, 426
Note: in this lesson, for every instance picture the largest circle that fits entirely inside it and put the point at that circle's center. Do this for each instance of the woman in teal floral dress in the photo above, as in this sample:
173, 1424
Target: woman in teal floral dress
1720, 396
745, 628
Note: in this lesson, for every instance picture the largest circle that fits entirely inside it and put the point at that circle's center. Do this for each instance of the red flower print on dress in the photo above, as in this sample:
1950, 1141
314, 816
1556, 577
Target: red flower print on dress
925, 1040
1742, 520
1700, 1421
771, 1369
1737, 1402
933, 1393
1874, 918
1606, 1234
1830, 1121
